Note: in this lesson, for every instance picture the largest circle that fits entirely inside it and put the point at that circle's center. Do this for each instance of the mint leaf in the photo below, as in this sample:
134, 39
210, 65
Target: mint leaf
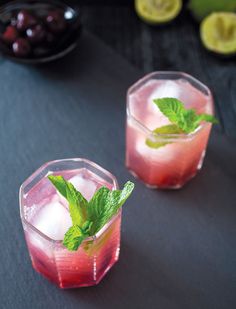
77, 203
207, 118
76, 235
175, 111
118, 197
86, 227
193, 120
60, 184
97, 203
170, 107
165, 131
89, 217
190, 121
105, 204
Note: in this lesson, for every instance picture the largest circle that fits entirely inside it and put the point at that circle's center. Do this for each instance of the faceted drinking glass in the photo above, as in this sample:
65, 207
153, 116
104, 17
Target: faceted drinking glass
45, 218
176, 162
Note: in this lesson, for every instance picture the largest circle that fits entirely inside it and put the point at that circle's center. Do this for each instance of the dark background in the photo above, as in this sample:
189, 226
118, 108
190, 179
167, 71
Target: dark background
178, 247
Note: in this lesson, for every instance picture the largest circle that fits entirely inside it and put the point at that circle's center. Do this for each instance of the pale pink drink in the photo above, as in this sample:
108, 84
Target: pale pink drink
45, 218
172, 165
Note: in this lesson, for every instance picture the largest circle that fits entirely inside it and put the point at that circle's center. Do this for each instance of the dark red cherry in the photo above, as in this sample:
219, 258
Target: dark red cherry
56, 21
36, 34
25, 20
50, 38
10, 35
21, 47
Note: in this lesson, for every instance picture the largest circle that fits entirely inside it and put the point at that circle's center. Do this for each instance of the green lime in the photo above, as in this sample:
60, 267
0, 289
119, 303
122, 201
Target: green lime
202, 8
218, 33
158, 11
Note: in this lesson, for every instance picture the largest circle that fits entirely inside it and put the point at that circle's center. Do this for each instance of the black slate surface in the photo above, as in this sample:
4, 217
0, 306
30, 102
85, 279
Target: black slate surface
178, 247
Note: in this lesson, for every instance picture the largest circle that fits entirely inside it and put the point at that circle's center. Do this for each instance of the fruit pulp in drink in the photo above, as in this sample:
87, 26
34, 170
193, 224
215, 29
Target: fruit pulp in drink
47, 212
172, 165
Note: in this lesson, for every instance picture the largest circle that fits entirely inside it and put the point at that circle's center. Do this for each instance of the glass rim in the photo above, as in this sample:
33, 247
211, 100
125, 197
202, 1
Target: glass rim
41, 168
158, 137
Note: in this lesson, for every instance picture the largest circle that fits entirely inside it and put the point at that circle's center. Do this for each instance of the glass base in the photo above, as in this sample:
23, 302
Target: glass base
81, 285
171, 187
92, 283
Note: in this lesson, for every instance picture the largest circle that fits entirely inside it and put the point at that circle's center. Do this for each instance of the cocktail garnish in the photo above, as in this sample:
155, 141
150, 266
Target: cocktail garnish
88, 217
183, 120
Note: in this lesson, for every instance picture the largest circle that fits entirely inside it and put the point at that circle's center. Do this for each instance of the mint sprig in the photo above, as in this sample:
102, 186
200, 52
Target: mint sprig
88, 217
183, 120
77, 203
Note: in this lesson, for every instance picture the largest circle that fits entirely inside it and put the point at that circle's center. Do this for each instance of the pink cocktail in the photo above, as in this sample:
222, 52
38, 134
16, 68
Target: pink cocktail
172, 165
45, 218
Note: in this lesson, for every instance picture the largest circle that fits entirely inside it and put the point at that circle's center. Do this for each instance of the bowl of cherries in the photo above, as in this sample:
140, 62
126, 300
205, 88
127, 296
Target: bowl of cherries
38, 31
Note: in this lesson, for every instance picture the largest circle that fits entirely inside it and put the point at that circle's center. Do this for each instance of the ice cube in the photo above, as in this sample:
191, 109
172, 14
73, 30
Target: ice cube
53, 220
168, 89
154, 121
164, 89
84, 185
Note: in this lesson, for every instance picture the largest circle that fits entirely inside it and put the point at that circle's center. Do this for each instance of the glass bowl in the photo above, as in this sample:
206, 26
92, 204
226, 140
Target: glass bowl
63, 42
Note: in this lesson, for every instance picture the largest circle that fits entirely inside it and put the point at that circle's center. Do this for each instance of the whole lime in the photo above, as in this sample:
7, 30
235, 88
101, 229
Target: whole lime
202, 8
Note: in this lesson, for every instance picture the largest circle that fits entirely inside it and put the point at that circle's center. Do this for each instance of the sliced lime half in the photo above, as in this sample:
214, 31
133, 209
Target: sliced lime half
158, 11
218, 33
164, 133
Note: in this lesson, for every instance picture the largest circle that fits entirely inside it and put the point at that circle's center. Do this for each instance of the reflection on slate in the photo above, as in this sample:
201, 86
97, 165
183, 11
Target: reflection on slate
178, 247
